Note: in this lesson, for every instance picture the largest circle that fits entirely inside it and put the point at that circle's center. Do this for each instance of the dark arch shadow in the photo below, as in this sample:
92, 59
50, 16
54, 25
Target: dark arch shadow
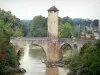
38, 46
75, 46
66, 45
64, 48
38, 53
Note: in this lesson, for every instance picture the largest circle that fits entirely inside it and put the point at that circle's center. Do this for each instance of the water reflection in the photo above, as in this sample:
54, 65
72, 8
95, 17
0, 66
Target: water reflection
52, 71
31, 61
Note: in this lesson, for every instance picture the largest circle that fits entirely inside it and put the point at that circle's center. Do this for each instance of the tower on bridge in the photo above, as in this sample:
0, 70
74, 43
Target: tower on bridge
53, 52
53, 22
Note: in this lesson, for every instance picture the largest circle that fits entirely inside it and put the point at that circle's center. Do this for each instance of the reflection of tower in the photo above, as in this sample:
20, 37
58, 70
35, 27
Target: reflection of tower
52, 71
53, 22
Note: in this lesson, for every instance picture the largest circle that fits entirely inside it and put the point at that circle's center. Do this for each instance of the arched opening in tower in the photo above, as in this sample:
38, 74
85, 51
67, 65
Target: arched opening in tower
65, 51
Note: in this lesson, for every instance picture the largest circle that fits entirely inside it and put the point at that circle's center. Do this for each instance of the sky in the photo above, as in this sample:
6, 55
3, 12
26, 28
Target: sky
27, 9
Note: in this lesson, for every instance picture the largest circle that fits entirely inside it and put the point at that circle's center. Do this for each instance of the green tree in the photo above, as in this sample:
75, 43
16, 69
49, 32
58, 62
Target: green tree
18, 32
25, 27
38, 27
96, 23
66, 19
10, 20
87, 61
7, 51
65, 30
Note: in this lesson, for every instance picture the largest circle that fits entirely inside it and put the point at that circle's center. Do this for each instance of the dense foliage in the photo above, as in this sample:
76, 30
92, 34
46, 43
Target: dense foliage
87, 61
65, 30
7, 51
18, 27
38, 27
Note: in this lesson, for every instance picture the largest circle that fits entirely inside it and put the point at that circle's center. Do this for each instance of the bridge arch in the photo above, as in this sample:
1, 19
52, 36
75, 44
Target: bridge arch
65, 49
38, 52
39, 44
65, 45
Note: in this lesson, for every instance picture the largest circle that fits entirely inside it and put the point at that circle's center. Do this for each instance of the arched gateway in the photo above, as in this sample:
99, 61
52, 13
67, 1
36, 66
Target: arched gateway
51, 44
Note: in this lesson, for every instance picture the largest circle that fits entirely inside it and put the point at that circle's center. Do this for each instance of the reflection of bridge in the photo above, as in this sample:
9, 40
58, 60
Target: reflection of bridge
43, 42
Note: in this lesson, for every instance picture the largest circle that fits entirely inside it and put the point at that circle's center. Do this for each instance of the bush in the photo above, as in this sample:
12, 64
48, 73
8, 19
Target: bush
7, 56
87, 62
11, 54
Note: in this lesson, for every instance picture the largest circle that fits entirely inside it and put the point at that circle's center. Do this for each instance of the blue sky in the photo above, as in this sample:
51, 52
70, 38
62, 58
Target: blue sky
27, 9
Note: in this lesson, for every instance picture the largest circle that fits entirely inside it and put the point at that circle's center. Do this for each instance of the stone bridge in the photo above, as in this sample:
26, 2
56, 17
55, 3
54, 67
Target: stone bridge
43, 42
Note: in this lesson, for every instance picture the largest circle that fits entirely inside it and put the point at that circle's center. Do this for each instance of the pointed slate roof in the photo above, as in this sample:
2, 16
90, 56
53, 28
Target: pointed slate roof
53, 8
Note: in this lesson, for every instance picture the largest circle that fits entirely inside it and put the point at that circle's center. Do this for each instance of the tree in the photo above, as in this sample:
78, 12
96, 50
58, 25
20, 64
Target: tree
10, 21
9, 24
7, 51
87, 61
38, 27
66, 19
65, 30
96, 23
59, 21
77, 21
17, 32
25, 27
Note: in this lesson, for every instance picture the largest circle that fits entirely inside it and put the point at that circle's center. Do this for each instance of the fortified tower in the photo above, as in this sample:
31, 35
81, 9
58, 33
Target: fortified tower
53, 52
53, 22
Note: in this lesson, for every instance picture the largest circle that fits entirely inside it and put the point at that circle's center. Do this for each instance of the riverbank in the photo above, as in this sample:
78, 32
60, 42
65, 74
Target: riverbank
13, 70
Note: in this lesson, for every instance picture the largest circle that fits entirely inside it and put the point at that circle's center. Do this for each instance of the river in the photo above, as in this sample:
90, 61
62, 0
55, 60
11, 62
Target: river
31, 60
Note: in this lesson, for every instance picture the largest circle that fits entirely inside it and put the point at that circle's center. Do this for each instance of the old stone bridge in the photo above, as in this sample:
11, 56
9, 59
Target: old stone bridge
43, 42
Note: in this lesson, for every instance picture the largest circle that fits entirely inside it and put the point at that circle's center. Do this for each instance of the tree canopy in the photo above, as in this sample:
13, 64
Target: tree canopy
7, 51
9, 21
38, 26
85, 62
65, 30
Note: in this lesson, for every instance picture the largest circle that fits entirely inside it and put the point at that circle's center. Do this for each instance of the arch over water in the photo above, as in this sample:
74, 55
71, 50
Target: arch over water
37, 51
65, 50
66, 45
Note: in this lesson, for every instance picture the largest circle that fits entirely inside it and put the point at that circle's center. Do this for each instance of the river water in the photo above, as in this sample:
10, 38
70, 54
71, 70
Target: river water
31, 60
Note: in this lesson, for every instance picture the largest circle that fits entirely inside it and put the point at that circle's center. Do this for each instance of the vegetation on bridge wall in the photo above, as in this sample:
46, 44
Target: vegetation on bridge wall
87, 61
